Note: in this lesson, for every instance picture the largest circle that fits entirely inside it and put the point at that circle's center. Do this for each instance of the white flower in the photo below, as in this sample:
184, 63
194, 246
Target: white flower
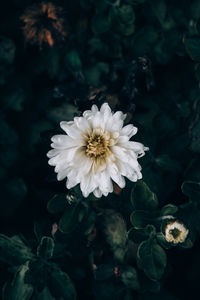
175, 232
95, 151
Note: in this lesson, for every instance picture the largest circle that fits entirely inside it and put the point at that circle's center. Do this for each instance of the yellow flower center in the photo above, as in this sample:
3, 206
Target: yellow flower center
97, 146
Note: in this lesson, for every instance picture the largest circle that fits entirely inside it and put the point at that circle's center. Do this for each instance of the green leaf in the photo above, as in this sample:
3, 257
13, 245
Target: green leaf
14, 99
72, 59
63, 112
137, 235
130, 278
152, 259
191, 189
116, 233
142, 198
13, 251
94, 73
166, 163
48, 62
73, 215
135, 2
187, 244
164, 124
104, 272
162, 241
88, 222
125, 29
141, 218
43, 295
159, 9
145, 39
114, 228
149, 286
100, 23
18, 289
192, 46
60, 285
7, 50
168, 209
57, 204
126, 14
46, 247
192, 172
42, 228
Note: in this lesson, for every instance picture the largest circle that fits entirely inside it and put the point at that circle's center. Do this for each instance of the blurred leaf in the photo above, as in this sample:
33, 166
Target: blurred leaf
162, 241
93, 74
43, 295
34, 136
142, 198
72, 59
137, 235
46, 247
7, 50
159, 9
126, 14
152, 259
192, 46
42, 228
164, 124
109, 291
143, 40
192, 172
14, 99
88, 222
13, 251
141, 234
191, 189
48, 62
60, 285
168, 209
100, 23
115, 231
104, 272
130, 278
195, 140
73, 214
57, 204
65, 112
149, 286
166, 163
18, 289
126, 29
135, 2
141, 218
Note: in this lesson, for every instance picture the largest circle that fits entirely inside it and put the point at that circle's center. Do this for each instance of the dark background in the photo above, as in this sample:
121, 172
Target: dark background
142, 57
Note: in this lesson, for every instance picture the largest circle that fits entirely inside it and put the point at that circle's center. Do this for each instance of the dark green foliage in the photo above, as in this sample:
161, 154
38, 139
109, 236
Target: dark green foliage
18, 289
60, 285
13, 251
142, 198
46, 247
142, 57
152, 259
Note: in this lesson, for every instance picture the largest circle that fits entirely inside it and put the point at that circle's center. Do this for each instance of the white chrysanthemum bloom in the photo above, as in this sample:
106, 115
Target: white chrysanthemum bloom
95, 151
175, 232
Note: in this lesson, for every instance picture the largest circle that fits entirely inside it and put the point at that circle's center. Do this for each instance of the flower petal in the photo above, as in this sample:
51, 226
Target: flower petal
97, 193
129, 130
70, 130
